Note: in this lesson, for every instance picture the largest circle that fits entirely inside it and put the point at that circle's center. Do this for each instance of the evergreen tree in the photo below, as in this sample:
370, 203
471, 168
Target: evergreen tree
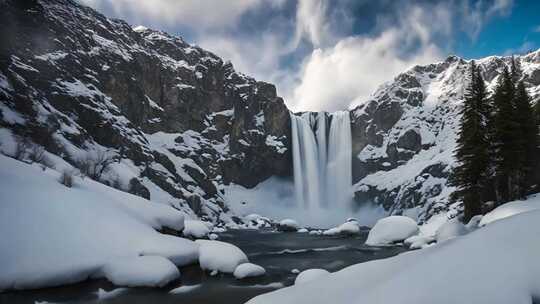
472, 147
503, 142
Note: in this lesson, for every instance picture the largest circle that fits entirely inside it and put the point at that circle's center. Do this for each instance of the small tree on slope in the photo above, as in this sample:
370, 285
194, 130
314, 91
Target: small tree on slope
470, 176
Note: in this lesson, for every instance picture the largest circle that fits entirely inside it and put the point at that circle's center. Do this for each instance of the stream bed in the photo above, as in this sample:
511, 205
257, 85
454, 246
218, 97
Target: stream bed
279, 253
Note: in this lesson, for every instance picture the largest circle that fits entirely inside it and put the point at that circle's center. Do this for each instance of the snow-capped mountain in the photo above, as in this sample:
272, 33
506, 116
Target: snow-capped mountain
177, 120
404, 136
180, 123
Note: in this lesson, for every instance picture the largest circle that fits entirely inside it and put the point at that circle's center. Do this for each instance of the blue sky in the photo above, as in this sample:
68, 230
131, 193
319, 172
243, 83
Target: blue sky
330, 55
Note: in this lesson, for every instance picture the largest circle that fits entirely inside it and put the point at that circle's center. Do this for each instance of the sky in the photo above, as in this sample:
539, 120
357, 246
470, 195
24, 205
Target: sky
331, 55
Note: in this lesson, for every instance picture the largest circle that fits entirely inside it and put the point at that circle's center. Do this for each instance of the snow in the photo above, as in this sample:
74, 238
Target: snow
65, 235
219, 256
310, 275
148, 271
288, 225
195, 229
247, 270
348, 228
391, 229
450, 230
495, 264
184, 289
510, 209
419, 241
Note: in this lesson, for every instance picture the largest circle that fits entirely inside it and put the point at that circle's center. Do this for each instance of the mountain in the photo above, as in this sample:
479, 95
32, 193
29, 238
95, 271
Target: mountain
177, 124
404, 136
174, 117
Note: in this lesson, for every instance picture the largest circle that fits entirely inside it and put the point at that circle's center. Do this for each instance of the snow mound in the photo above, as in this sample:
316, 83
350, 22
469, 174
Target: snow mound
310, 275
510, 209
503, 254
303, 230
220, 256
66, 235
450, 230
247, 270
392, 229
419, 241
196, 229
347, 228
141, 271
288, 225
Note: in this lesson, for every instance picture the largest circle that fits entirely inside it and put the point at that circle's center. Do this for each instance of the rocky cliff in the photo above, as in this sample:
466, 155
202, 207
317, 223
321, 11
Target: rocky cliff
177, 120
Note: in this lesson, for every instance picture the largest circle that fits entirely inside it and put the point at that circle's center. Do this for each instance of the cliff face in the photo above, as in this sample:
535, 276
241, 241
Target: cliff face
172, 115
404, 136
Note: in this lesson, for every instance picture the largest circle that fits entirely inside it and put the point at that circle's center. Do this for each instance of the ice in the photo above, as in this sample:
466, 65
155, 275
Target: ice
247, 270
495, 264
310, 275
220, 256
392, 229
195, 229
147, 271
53, 235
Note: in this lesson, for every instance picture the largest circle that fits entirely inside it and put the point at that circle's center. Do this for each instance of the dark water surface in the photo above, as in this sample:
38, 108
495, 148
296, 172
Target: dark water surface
278, 253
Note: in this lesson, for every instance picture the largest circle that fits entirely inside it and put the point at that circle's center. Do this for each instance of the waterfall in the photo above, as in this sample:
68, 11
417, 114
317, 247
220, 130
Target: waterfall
322, 159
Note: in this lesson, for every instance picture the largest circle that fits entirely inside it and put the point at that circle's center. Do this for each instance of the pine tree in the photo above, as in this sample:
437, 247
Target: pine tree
527, 140
472, 147
503, 142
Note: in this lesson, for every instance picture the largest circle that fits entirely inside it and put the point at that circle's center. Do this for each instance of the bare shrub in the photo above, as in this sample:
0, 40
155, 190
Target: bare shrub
36, 154
21, 147
95, 165
66, 178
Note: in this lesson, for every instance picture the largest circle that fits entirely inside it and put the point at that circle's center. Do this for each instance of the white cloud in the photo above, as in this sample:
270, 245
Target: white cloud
200, 13
350, 71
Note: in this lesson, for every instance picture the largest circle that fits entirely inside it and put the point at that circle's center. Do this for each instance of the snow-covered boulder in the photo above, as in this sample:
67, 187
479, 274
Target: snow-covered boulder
348, 228
247, 270
196, 229
450, 230
310, 275
220, 256
391, 229
474, 222
288, 225
303, 230
141, 271
213, 236
511, 209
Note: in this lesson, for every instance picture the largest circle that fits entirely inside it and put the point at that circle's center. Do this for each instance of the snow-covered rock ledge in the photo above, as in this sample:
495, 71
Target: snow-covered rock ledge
495, 264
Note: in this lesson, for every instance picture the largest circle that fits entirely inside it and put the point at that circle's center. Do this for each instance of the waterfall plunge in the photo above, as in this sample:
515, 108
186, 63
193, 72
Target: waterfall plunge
322, 168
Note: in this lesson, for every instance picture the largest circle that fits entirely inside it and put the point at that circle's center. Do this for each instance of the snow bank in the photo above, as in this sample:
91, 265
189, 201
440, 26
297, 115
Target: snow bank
392, 229
149, 271
450, 230
53, 235
310, 275
196, 229
247, 270
510, 209
496, 264
220, 256
288, 225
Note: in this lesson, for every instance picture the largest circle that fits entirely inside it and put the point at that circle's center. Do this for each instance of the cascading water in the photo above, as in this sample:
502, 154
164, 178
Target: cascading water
322, 168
